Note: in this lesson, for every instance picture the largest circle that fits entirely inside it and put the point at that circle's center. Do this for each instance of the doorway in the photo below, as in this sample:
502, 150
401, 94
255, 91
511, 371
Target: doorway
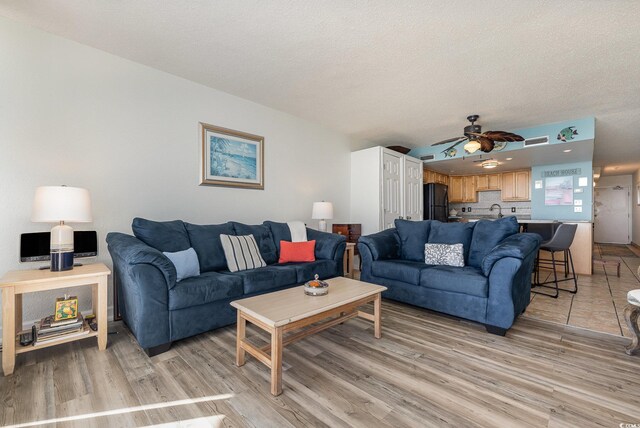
611, 215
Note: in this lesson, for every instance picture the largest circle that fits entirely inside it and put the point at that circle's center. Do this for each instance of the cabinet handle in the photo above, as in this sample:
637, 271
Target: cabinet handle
400, 217
408, 218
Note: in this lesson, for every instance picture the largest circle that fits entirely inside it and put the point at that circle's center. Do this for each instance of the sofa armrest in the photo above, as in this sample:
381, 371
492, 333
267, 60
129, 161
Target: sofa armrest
329, 246
519, 246
383, 245
135, 252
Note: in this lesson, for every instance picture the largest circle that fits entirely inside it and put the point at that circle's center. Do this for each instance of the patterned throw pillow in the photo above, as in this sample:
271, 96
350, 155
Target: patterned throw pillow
444, 254
241, 252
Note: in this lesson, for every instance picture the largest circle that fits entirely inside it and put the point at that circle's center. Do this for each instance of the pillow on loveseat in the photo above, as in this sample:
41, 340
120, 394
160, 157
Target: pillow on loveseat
489, 233
444, 254
413, 235
452, 233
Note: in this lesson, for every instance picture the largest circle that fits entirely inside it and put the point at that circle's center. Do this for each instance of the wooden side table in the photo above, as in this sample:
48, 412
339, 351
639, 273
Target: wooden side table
18, 282
347, 260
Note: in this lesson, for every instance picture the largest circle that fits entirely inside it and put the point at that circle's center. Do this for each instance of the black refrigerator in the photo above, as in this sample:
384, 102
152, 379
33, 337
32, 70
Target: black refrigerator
436, 202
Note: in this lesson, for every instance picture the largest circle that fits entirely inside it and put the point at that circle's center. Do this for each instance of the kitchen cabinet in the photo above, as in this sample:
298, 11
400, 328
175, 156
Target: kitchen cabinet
434, 177
463, 188
385, 185
489, 182
516, 185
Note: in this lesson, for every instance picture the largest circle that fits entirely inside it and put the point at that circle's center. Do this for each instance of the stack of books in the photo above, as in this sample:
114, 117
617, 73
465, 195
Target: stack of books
48, 329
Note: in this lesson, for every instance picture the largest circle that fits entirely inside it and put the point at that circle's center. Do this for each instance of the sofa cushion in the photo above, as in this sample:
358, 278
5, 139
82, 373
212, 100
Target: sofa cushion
241, 252
263, 237
413, 236
487, 234
279, 231
465, 280
400, 270
452, 233
306, 271
206, 241
168, 236
266, 278
185, 262
206, 288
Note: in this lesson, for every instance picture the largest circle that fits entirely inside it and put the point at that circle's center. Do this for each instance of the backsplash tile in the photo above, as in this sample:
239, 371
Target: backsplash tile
486, 199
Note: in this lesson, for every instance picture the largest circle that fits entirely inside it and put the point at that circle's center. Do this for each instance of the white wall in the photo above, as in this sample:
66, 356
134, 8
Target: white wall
635, 208
71, 114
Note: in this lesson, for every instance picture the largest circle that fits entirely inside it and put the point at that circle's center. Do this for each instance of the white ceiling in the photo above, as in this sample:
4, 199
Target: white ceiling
401, 72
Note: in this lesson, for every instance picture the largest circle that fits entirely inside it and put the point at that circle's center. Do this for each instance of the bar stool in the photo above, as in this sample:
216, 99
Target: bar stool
561, 241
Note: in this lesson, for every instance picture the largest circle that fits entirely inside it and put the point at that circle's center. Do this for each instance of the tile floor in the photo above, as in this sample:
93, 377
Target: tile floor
601, 298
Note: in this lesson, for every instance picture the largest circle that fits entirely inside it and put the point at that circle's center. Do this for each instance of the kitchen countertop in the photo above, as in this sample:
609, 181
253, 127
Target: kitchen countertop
521, 219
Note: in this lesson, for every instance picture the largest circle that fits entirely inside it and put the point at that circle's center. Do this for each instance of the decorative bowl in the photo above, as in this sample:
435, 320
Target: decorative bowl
316, 287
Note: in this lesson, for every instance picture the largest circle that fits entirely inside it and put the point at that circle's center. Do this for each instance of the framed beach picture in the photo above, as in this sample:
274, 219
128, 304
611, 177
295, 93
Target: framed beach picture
231, 158
558, 191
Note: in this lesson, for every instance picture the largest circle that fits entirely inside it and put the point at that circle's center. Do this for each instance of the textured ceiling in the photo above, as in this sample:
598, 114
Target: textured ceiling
402, 72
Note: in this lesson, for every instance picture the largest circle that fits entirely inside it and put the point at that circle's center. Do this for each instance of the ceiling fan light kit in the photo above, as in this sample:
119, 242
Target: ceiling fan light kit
472, 146
489, 164
478, 140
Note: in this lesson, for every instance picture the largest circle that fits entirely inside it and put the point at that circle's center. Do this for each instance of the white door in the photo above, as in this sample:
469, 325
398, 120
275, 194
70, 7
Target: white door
412, 189
611, 213
391, 190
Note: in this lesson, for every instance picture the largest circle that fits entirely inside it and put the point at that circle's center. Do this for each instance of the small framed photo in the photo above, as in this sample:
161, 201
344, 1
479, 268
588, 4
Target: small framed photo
66, 309
231, 158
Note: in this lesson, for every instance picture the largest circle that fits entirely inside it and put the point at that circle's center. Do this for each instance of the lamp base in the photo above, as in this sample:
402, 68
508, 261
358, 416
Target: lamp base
61, 260
322, 226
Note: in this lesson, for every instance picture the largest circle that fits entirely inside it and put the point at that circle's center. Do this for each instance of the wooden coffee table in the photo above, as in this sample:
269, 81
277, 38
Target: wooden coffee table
287, 310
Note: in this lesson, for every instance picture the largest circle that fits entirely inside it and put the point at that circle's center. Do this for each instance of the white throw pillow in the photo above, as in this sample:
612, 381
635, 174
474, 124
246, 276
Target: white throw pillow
444, 254
186, 263
241, 252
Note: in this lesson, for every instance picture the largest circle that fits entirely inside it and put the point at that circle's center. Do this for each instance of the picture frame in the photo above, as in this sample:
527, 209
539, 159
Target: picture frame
231, 158
66, 309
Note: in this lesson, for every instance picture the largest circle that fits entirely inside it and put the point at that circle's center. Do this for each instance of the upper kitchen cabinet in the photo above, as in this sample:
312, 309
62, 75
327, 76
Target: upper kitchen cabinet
385, 186
462, 188
434, 177
516, 186
489, 182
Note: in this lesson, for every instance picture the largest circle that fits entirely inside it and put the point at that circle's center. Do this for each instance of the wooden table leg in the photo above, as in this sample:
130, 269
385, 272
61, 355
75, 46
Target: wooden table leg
276, 361
631, 313
240, 336
377, 321
8, 331
99, 301
352, 253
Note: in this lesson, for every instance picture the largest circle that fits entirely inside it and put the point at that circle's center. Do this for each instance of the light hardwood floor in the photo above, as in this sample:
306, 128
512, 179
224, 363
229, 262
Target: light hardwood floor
427, 370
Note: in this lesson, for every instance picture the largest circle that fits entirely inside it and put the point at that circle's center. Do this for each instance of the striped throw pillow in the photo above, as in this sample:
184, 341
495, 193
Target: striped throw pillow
241, 252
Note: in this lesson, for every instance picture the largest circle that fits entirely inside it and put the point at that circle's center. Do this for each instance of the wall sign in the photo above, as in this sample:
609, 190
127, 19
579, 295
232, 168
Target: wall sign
562, 172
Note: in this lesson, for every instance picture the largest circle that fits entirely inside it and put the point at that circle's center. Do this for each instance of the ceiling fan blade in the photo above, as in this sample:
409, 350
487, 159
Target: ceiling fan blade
503, 136
486, 144
450, 140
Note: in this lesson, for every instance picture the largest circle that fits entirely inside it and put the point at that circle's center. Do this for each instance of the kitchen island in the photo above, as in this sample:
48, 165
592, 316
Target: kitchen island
581, 249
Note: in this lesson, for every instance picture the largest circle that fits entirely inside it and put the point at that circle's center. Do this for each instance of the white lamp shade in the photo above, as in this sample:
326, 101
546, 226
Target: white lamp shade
53, 204
322, 211
472, 146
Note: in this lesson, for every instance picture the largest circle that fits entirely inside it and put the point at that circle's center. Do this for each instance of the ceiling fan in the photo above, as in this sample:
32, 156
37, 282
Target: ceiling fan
478, 140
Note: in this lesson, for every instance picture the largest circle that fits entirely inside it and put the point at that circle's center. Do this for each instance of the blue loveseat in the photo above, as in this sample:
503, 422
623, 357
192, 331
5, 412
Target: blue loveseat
159, 310
492, 288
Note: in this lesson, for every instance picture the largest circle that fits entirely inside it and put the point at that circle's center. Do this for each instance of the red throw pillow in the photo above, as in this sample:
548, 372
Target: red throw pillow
297, 251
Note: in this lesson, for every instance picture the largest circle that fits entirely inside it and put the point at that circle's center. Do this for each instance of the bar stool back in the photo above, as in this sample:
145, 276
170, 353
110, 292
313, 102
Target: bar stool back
561, 241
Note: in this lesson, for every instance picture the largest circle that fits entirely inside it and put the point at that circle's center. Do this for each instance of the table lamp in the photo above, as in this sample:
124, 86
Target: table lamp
322, 211
60, 204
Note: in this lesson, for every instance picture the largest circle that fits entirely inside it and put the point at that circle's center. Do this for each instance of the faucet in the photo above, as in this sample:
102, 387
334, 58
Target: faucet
499, 210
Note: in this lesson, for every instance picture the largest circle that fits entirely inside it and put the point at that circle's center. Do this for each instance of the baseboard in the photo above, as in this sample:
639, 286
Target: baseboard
31, 322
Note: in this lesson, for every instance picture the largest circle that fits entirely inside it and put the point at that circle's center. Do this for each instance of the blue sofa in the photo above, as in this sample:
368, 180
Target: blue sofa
492, 288
159, 310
